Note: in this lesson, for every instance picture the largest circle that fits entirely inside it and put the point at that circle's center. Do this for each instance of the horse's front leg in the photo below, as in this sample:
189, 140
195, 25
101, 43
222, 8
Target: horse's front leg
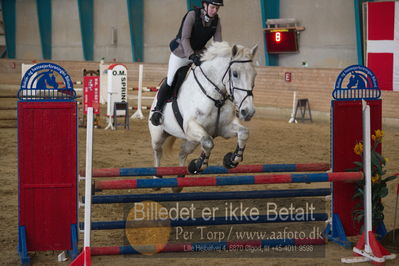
186, 148
232, 159
196, 133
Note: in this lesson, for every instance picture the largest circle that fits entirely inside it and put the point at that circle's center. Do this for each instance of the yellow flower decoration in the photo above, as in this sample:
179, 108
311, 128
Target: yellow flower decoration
376, 179
378, 135
358, 148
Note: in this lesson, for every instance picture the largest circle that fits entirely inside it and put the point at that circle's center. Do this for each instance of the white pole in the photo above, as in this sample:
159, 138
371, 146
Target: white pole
110, 103
292, 119
368, 224
139, 114
103, 81
88, 176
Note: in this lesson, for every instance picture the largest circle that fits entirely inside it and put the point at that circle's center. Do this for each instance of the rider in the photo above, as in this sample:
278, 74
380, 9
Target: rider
197, 28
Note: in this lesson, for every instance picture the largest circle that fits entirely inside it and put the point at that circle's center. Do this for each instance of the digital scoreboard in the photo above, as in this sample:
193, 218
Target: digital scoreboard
281, 41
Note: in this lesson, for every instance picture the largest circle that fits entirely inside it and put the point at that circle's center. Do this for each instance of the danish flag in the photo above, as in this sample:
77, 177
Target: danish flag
383, 43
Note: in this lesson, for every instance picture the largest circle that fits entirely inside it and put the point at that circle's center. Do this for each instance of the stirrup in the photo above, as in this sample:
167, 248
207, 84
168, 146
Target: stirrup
157, 117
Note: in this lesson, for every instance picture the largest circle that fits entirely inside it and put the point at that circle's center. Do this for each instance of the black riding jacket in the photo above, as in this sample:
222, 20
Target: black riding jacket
194, 33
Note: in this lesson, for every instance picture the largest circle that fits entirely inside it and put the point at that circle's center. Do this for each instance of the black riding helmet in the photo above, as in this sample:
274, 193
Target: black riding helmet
214, 2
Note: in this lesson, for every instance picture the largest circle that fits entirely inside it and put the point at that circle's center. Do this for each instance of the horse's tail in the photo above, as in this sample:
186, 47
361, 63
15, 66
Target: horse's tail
168, 146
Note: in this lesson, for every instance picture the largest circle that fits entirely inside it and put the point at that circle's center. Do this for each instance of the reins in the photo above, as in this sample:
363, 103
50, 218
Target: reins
225, 96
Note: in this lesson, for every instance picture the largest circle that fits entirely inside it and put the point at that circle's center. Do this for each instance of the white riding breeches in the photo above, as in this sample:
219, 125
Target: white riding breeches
175, 63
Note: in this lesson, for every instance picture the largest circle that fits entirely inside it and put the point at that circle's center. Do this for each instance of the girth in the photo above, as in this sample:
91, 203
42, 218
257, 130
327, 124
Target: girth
178, 80
176, 112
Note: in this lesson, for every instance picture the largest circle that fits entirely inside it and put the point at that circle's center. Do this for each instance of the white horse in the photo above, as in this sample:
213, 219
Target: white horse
210, 100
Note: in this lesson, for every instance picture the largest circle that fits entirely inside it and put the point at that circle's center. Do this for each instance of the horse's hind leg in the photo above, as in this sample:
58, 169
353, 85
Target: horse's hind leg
232, 159
158, 137
187, 148
196, 133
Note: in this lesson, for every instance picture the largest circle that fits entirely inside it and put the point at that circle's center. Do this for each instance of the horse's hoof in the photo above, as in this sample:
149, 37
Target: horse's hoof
156, 188
194, 167
228, 162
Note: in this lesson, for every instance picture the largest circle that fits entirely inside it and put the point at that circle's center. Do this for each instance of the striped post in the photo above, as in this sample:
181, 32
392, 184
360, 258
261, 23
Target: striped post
228, 180
165, 171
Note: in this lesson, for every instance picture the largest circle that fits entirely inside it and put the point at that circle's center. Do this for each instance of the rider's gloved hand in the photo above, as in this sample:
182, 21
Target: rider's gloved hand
196, 59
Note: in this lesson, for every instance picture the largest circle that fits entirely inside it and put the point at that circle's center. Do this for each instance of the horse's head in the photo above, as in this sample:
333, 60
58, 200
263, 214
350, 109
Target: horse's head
241, 75
51, 80
352, 80
46, 78
235, 73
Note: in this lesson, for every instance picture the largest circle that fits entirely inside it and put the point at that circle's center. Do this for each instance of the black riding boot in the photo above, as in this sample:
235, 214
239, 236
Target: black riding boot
163, 94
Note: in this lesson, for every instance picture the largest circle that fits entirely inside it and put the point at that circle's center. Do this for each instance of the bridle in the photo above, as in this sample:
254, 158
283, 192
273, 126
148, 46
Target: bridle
232, 88
225, 96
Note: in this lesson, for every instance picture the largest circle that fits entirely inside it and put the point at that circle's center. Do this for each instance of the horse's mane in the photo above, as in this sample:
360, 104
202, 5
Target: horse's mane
224, 49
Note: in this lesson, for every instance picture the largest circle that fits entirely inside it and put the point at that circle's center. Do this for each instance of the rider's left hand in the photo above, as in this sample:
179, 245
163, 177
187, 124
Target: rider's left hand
196, 59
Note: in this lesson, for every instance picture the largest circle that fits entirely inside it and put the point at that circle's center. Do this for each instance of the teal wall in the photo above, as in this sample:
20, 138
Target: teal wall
86, 18
192, 3
270, 9
44, 14
9, 18
143, 29
358, 6
135, 10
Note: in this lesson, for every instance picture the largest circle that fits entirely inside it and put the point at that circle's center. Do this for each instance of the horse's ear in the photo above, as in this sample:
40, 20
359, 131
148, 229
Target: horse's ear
254, 49
234, 50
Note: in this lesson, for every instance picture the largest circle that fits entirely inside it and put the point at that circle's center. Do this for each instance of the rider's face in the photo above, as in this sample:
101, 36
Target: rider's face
212, 10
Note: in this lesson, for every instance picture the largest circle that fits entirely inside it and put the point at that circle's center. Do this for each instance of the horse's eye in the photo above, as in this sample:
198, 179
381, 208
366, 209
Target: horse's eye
235, 74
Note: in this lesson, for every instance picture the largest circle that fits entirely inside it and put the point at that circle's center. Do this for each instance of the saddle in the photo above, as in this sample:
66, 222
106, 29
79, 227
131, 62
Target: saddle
178, 80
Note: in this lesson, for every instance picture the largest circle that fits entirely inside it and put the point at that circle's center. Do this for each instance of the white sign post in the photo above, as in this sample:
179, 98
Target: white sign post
116, 89
292, 119
139, 114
